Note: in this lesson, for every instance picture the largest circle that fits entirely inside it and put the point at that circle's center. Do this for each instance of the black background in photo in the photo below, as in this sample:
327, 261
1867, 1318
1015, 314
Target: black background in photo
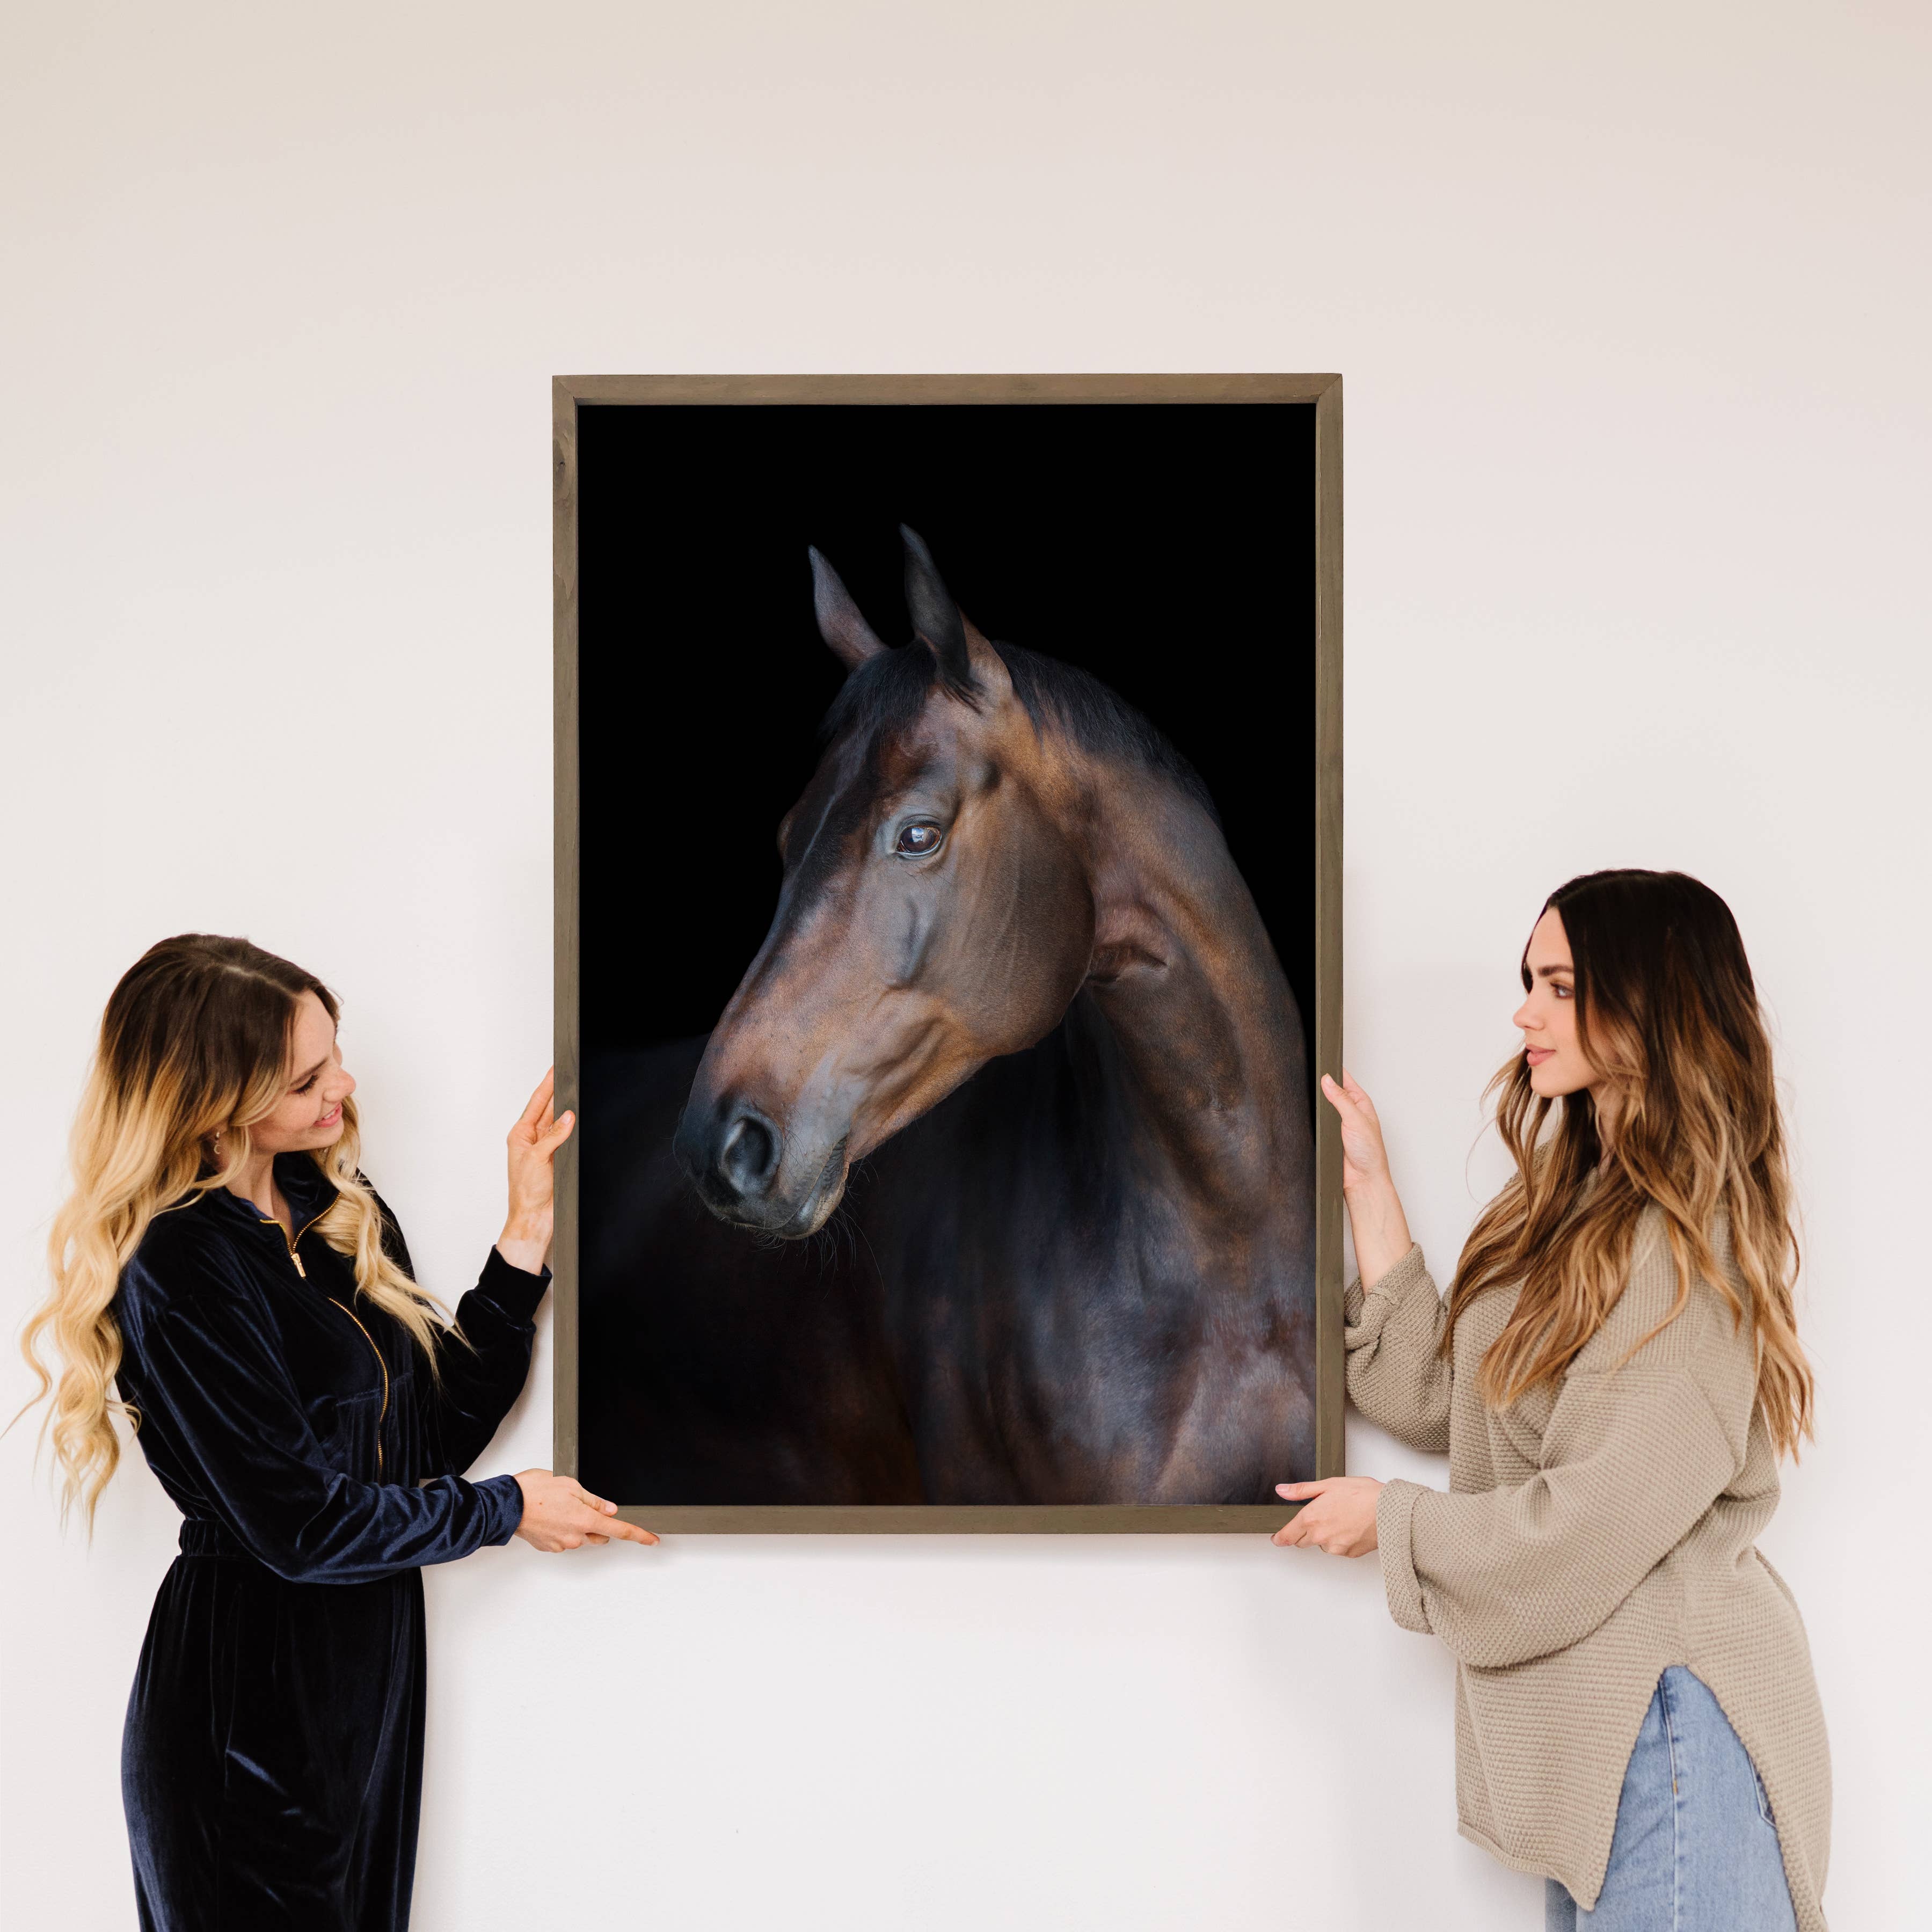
1169, 549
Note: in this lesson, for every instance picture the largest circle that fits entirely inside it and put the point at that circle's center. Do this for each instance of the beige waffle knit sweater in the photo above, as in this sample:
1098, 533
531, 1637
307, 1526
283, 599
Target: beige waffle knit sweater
1592, 1536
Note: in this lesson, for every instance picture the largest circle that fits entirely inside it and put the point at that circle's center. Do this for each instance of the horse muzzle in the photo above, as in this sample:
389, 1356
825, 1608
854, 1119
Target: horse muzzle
745, 1171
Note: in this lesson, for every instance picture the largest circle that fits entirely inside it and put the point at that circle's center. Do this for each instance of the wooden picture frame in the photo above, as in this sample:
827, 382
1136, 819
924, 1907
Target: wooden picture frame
1322, 394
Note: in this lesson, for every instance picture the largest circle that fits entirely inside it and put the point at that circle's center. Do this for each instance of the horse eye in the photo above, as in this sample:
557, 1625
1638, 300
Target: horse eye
915, 841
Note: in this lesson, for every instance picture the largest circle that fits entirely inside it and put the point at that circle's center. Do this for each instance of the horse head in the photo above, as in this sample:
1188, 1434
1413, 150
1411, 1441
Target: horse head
934, 914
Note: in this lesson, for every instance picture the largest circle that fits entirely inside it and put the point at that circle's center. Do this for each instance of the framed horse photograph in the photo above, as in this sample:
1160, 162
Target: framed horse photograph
949, 859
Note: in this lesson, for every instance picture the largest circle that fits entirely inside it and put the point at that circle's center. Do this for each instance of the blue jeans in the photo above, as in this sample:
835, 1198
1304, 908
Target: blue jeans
1696, 1848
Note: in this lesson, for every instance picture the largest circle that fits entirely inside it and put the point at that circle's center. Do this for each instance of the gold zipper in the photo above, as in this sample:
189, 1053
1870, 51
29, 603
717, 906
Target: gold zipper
381, 1361
371, 1340
268, 1221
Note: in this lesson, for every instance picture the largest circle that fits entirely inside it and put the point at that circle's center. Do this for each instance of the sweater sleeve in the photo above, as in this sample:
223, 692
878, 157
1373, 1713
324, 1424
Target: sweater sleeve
1633, 1456
212, 1378
1397, 1375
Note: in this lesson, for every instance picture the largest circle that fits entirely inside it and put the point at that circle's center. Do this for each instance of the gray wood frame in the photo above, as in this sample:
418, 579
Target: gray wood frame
1325, 392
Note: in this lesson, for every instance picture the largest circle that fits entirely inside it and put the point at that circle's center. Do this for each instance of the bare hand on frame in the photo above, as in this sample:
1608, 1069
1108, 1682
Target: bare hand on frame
1337, 1515
533, 1144
560, 1513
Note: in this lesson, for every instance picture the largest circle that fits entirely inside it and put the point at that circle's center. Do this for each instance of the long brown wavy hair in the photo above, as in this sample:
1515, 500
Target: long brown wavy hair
194, 1042
1667, 1013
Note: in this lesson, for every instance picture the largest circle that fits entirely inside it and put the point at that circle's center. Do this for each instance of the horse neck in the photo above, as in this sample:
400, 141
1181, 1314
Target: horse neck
1209, 1042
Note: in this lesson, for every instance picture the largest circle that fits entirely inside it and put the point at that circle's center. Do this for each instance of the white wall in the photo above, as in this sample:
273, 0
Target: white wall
1632, 304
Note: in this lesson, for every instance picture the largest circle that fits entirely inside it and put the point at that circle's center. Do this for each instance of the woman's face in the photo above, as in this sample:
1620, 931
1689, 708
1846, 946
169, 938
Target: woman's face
1548, 1017
315, 1084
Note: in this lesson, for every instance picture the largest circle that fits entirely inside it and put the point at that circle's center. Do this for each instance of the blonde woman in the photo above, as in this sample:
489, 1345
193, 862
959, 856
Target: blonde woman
223, 1264
1614, 1375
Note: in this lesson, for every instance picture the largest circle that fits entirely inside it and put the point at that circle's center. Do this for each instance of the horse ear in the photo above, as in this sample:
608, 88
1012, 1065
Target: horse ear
841, 623
936, 621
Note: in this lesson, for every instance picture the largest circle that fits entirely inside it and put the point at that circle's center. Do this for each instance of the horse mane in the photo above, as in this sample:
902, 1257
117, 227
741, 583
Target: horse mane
887, 693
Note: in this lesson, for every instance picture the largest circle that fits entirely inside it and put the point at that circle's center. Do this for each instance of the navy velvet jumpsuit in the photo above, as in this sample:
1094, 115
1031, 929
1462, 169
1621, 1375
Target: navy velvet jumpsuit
271, 1766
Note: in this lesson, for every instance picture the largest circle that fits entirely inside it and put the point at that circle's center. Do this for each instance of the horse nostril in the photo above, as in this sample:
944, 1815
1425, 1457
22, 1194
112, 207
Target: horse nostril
749, 1158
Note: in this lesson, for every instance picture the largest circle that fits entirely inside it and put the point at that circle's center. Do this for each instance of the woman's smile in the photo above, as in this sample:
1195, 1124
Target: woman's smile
329, 1119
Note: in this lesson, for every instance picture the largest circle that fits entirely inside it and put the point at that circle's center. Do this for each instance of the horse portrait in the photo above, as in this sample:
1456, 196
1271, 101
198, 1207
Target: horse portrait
993, 1181
948, 781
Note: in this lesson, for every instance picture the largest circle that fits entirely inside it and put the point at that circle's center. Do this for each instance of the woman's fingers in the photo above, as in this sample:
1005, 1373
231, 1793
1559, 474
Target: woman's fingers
532, 1143
585, 1526
603, 1525
1305, 1532
541, 1133
1353, 1107
1363, 1157
560, 1513
533, 1115
1337, 1517
1294, 1531
601, 1510
1350, 1102
629, 1532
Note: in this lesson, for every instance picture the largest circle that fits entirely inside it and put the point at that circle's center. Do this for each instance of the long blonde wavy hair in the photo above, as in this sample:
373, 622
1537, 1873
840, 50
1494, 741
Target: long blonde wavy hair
1667, 1013
194, 1047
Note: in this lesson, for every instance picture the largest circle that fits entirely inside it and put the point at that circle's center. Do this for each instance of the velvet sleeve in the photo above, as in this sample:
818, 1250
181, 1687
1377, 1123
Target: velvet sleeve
213, 1379
482, 1364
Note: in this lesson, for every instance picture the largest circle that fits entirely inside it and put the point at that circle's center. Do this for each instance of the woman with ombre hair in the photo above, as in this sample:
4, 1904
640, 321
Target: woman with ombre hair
227, 1281
1614, 1375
